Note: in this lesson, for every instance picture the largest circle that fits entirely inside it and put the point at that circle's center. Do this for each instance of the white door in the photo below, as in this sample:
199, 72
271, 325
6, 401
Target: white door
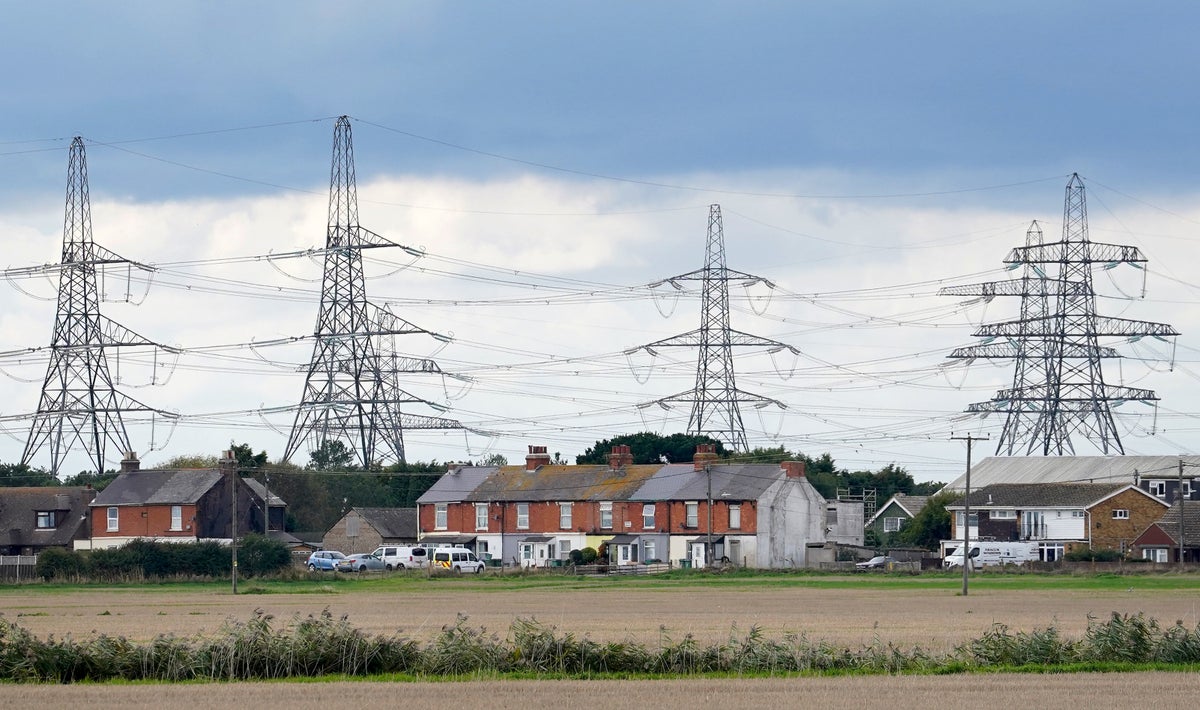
697, 555
527, 554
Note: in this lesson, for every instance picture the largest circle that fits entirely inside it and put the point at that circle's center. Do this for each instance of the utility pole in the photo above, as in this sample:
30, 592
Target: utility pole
970, 439
708, 546
1181, 513
230, 465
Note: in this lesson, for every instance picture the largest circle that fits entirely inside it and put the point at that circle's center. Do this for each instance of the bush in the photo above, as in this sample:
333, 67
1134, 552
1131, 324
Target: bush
588, 555
259, 555
58, 563
1097, 555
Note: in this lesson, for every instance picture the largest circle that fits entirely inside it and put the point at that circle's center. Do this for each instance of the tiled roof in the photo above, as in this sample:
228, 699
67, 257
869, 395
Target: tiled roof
391, 522
1040, 495
19, 507
1169, 523
647, 482
909, 504
1072, 469
158, 487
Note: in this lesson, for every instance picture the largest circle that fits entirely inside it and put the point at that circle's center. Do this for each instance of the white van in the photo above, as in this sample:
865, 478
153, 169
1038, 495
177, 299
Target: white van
986, 554
402, 557
458, 559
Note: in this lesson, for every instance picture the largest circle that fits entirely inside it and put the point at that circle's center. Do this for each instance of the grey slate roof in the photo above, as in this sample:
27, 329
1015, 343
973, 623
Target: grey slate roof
734, 482
19, 507
158, 487
1040, 495
456, 485
391, 522
261, 492
1072, 469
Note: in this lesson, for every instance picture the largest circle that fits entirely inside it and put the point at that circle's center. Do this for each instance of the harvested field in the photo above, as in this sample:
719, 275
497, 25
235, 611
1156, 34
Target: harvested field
1163, 691
936, 618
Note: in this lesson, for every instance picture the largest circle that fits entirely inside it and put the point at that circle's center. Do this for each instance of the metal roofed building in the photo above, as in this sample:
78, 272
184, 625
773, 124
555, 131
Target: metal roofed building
1144, 471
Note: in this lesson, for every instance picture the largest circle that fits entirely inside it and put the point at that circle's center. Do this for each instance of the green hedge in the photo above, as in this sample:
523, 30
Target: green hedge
257, 556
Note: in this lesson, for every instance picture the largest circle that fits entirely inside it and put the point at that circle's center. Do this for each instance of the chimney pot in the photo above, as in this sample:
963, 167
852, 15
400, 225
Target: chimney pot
705, 455
536, 457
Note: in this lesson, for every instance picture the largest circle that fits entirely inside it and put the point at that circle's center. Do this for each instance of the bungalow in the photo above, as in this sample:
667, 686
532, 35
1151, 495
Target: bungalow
35, 518
364, 529
1160, 541
759, 515
1058, 516
1161, 476
895, 513
171, 505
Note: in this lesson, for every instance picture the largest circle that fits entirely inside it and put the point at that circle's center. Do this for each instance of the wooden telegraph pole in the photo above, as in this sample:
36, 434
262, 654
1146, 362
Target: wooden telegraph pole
966, 531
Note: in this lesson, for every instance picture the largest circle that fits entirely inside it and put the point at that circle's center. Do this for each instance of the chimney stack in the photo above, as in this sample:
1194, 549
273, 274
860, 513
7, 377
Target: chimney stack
130, 462
705, 455
620, 457
794, 469
536, 457
227, 463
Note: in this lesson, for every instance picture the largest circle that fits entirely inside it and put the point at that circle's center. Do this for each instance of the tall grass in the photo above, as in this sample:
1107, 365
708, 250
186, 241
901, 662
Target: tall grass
321, 645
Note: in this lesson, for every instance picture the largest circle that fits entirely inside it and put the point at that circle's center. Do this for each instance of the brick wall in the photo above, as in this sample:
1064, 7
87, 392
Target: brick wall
143, 521
1109, 533
585, 517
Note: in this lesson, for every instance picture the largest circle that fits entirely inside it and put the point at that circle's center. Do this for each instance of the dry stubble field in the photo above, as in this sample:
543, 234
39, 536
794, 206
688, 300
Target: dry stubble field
935, 618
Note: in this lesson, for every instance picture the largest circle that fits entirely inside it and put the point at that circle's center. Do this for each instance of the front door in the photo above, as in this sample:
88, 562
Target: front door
697, 555
527, 555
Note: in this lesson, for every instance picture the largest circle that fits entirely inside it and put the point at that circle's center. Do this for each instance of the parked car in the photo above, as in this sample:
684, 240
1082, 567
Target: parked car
457, 559
878, 562
402, 556
361, 562
326, 560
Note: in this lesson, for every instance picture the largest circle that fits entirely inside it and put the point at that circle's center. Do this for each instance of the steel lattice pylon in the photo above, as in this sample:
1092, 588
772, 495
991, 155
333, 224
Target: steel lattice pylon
1058, 381
351, 391
78, 403
715, 400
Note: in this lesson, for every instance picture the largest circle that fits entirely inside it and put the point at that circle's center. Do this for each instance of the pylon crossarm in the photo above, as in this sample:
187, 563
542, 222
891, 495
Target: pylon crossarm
691, 397
725, 274
1024, 286
416, 421
1095, 253
381, 321
114, 334
1093, 326
1012, 350
694, 339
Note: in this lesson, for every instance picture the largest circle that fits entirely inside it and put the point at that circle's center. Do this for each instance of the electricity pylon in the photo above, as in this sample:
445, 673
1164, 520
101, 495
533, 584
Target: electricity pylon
78, 403
715, 400
352, 392
1058, 381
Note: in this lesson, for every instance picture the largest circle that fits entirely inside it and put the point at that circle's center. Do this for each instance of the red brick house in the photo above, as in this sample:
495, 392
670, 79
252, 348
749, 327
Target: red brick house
171, 505
763, 515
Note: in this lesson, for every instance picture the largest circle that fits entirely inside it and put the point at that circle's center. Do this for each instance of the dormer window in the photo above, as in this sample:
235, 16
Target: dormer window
47, 519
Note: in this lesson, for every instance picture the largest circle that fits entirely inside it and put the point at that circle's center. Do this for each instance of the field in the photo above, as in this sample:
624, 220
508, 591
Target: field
928, 611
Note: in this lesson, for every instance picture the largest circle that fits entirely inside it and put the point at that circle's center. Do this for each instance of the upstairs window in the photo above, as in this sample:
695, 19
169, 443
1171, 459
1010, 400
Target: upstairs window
735, 516
891, 525
606, 515
564, 516
441, 515
177, 517
1121, 514
47, 519
481, 516
112, 519
522, 516
693, 514
648, 515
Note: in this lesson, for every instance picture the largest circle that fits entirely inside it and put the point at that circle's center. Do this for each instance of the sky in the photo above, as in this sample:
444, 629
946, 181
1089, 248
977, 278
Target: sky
545, 162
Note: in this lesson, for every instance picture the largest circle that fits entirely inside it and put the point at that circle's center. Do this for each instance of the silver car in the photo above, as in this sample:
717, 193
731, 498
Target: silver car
361, 562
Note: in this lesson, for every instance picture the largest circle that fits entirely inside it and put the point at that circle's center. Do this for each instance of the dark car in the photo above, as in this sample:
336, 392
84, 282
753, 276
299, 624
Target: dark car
878, 562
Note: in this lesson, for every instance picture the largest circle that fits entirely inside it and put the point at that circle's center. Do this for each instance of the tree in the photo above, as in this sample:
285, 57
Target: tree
91, 478
187, 461
19, 474
247, 460
494, 460
931, 524
648, 447
332, 455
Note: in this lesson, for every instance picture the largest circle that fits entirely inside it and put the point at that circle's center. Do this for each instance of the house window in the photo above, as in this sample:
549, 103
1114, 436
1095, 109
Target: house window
440, 516
648, 552
958, 520
891, 525
693, 515
46, 519
177, 517
1158, 488
648, 515
735, 516
606, 515
1078, 514
522, 516
1004, 515
564, 516
1121, 514
1155, 554
481, 516
112, 518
